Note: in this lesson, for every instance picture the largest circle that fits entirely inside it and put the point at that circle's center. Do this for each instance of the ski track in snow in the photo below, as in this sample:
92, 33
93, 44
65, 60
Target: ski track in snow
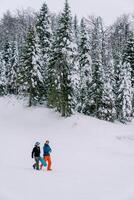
92, 159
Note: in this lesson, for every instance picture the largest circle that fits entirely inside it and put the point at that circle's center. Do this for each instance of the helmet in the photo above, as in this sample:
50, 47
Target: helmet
37, 144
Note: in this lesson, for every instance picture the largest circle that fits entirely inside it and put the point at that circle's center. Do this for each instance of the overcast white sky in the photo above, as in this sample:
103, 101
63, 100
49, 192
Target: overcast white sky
108, 9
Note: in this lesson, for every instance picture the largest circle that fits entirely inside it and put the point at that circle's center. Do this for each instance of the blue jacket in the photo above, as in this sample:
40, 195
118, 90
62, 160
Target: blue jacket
46, 150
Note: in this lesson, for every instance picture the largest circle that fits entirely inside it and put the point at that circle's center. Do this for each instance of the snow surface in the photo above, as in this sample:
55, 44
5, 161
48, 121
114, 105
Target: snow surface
92, 159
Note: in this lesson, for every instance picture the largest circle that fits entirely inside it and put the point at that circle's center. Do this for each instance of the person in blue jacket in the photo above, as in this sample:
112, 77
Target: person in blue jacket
46, 154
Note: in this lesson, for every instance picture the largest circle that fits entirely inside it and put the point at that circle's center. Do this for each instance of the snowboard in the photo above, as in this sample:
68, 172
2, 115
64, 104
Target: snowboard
43, 162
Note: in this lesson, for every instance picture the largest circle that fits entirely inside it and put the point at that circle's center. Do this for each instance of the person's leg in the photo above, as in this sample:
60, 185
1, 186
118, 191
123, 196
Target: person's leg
48, 160
34, 165
37, 163
41, 166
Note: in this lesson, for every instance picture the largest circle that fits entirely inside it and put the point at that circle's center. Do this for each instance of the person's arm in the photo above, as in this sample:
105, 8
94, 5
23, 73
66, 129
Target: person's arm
39, 150
32, 155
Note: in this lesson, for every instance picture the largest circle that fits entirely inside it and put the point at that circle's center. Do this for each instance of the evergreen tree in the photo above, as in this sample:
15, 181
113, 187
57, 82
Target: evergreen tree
14, 62
128, 58
107, 109
96, 88
125, 93
75, 70
2, 76
52, 94
129, 55
6, 57
85, 70
44, 39
62, 63
30, 78
118, 39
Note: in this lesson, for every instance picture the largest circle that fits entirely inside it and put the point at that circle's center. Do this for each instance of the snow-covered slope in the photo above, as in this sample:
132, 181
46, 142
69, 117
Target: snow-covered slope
92, 159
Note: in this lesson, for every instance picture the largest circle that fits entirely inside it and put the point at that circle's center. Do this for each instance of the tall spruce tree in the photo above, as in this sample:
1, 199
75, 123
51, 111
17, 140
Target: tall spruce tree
96, 88
52, 94
125, 93
119, 35
44, 39
7, 57
14, 59
75, 71
2, 76
85, 70
107, 109
30, 78
128, 57
62, 62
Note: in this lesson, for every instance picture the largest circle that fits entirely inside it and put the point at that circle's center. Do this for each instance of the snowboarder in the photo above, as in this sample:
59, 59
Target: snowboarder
46, 154
36, 155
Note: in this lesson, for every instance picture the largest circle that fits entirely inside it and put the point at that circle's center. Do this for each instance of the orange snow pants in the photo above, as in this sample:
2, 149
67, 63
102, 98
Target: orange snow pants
48, 160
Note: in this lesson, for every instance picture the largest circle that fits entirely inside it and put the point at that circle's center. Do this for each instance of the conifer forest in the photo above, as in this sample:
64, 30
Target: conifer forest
69, 64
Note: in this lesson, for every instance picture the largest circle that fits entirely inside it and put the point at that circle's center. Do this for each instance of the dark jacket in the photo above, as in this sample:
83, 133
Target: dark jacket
46, 150
36, 152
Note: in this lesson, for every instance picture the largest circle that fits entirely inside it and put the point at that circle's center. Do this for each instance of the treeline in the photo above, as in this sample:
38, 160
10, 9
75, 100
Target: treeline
85, 67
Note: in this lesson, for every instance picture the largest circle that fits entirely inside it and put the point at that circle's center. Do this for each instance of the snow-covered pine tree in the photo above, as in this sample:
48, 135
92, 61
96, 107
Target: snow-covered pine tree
107, 108
44, 39
119, 35
109, 60
85, 71
128, 57
75, 70
52, 94
62, 62
108, 96
10, 62
6, 57
14, 62
96, 88
2, 76
129, 54
125, 93
30, 78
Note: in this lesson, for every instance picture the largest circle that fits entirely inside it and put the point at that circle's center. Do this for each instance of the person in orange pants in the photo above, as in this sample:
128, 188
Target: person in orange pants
46, 154
48, 160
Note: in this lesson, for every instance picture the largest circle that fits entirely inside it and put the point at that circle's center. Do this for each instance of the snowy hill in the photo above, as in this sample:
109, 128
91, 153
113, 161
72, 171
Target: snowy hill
92, 159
